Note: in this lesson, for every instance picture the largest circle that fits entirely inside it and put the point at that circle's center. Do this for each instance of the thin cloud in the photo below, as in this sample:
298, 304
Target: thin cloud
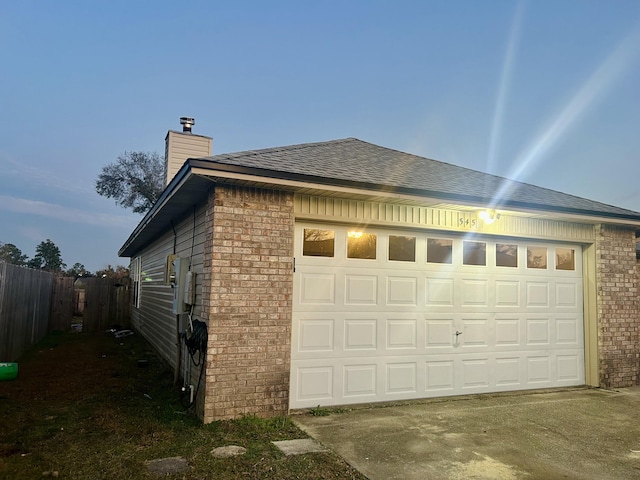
43, 177
66, 214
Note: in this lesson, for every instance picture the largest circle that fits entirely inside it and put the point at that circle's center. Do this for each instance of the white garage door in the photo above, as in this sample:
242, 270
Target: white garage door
384, 315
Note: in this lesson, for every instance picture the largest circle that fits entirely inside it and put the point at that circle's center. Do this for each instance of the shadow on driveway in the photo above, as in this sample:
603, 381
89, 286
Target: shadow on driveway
570, 434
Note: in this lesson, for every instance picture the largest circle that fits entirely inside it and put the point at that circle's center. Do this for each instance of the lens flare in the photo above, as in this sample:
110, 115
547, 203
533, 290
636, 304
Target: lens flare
592, 90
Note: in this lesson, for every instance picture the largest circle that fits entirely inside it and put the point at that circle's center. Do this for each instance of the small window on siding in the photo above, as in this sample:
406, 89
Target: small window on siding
136, 274
439, 250
565, 259
318, 243
402, 249
361, 245
537, 257
506, 255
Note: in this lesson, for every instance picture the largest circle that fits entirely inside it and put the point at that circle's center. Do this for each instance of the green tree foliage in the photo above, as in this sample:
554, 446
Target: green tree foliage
78, 270
11, 254
47, 257
109, 272
134, 181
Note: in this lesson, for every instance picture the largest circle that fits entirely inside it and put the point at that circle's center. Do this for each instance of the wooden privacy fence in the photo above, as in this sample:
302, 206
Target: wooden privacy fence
35, 302
25, 304
107, 303
62, 304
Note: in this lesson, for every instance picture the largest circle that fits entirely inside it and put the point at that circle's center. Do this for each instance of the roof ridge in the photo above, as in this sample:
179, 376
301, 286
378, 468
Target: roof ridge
288, 148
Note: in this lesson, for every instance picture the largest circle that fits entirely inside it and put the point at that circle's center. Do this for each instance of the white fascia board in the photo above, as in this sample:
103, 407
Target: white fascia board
294, 184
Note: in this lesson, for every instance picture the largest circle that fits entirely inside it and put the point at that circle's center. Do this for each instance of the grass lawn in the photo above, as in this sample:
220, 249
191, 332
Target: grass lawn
83, 408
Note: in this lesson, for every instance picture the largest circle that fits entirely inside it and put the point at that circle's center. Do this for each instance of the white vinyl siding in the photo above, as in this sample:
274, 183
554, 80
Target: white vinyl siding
154, 318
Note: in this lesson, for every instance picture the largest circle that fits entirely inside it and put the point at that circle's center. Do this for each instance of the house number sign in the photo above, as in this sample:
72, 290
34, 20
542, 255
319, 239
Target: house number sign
467, 222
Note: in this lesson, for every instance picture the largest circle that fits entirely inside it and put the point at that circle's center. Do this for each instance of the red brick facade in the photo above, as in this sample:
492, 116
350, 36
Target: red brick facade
249, 262
618, 307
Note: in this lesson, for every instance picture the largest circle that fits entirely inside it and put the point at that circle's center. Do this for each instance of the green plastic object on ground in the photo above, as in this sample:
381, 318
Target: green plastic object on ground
8, 371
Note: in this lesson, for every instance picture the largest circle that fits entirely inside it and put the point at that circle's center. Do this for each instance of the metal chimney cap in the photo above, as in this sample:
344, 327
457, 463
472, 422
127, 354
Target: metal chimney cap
187, 123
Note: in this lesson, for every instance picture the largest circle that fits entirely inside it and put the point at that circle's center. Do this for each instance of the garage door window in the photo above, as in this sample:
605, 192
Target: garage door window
474, 253
402, 249
318, 243
565, 259
506, 255
537, 257
361, 245
439, 250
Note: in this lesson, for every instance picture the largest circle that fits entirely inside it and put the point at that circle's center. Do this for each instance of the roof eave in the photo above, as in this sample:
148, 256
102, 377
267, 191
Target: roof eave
206, 170
296, 180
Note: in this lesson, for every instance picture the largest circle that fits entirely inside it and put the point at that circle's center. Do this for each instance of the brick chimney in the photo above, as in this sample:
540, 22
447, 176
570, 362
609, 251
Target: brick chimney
179, 146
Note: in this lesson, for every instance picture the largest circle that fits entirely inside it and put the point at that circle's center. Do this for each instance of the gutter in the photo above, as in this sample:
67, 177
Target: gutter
178, 180
297, 181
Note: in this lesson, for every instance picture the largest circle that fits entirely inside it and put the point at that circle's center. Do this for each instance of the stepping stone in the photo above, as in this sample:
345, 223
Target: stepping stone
228, 451
299, 447
165, 466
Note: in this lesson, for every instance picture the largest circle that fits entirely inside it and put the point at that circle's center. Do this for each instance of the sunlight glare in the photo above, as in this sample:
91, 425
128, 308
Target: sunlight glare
593, 89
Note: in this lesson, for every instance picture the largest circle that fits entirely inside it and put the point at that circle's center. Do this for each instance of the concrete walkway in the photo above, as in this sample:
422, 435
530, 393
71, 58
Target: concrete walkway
573, 434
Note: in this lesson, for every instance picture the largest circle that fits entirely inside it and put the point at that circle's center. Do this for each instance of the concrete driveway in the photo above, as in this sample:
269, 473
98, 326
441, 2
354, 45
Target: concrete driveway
569, 434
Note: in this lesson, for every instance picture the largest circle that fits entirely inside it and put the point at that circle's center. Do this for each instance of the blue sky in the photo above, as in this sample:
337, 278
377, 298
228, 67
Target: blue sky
543, 91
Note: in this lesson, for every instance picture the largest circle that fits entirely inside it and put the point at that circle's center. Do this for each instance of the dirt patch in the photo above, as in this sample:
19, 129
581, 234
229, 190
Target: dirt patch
90, 406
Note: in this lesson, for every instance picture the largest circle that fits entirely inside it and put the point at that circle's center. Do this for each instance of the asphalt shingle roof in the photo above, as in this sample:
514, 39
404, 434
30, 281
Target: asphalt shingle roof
353, 160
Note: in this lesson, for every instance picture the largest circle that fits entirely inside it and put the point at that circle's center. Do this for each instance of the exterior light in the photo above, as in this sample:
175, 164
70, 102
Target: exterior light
354, 234
489, 217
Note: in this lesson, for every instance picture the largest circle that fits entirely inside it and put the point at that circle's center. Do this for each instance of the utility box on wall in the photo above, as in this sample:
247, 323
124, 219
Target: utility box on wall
178, 283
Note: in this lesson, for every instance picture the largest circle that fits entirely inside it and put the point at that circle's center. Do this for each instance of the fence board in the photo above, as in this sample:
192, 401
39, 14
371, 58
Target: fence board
107, 303
25, 299
62, 304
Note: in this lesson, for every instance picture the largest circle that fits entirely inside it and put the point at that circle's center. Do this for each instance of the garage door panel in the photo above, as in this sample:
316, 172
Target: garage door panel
314, 383
538, 370
569, 331
475, 333
361, 290
508, 332
508, 371
360, 381
568, 295
402, 291
474, 292
360, 334
439, 376
401, 334
316, 335
538, 331
439, 292
475, 373
317, 288
368, 330
440, 333
402, 378
537, 294
507, 293
569, 367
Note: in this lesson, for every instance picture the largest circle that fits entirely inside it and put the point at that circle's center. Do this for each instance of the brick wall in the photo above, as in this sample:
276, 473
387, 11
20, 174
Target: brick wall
249, 302
617, 304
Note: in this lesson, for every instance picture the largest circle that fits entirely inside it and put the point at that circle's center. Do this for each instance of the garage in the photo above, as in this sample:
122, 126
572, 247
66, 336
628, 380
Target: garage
383, 314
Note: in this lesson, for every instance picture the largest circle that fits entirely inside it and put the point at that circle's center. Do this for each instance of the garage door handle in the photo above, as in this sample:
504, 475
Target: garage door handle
458, 333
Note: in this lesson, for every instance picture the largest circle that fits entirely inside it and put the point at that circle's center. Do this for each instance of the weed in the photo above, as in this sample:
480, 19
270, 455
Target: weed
319, 411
